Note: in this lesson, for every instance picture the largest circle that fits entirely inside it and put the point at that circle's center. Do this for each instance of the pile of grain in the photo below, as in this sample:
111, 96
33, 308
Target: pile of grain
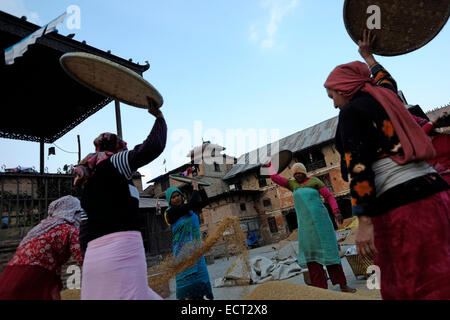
73, 294
284, 290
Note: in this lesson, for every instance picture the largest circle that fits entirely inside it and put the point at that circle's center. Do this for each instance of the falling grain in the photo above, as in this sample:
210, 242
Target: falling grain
169, 268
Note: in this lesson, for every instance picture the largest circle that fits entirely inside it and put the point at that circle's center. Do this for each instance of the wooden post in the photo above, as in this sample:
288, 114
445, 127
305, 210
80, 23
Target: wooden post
1, 201
79, 148
32, 198
17, 202
46, 196
42, 157
118, 119
149, 232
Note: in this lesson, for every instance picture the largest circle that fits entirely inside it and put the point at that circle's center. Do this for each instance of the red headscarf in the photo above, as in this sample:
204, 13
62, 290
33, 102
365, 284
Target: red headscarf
106, 145
350, 78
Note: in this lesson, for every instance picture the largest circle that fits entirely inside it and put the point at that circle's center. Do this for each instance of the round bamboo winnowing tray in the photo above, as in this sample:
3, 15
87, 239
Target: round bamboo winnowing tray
283, 158
280, 161
110, 79
406, 25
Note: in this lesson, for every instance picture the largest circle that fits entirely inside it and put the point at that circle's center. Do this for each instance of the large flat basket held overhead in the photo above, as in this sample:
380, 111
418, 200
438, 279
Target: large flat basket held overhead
110, 79
280, 161
404, 25
283, 158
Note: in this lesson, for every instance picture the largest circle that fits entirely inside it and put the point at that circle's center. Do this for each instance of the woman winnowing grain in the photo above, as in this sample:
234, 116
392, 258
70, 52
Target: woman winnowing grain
115, 266
317, 244
401, 202
192, 283
34, 273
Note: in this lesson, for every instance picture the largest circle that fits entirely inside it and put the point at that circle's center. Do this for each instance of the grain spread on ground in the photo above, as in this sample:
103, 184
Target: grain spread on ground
284, 290
72, 294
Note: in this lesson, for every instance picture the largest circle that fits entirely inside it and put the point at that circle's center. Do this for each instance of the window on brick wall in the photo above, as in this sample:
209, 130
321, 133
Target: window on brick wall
253, 225
312, 159
238, 185
262, 182
243, 207
165, 184
195, 170
250, 225
267, 203
272, 225
216, 167
325, 178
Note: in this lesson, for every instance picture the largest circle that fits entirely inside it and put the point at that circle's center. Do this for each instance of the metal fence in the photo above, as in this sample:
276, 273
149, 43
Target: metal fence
24, 199
156, 234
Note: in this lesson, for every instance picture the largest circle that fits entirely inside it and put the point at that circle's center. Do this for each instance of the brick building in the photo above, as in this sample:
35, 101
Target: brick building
206, 166
263, 207
238, 189
314, 147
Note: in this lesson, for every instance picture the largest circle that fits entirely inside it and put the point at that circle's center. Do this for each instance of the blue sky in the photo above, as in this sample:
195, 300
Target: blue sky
224, 65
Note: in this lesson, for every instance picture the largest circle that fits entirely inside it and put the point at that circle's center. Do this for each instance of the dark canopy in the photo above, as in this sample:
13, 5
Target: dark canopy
39, 101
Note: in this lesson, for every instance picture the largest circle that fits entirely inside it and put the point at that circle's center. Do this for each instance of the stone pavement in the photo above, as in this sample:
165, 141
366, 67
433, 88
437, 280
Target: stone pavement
220, 266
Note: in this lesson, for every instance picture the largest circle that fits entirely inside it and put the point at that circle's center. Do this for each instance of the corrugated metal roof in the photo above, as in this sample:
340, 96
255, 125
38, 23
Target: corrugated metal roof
309, 137
199, 150
180, 168
145, 203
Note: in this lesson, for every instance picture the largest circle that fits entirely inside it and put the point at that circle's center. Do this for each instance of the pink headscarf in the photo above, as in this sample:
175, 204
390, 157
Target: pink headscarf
106, 145
350, 78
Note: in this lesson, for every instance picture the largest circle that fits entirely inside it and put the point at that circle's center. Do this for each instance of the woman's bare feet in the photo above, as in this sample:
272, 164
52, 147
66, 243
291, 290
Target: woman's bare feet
348, 289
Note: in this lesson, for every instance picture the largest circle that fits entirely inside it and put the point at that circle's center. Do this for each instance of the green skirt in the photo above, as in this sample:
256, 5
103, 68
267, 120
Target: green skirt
316, 236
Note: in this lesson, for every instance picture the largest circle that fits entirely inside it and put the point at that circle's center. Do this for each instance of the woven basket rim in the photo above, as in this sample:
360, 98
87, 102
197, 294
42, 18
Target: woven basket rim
393, 52
285, 157
131, 76
359, 264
